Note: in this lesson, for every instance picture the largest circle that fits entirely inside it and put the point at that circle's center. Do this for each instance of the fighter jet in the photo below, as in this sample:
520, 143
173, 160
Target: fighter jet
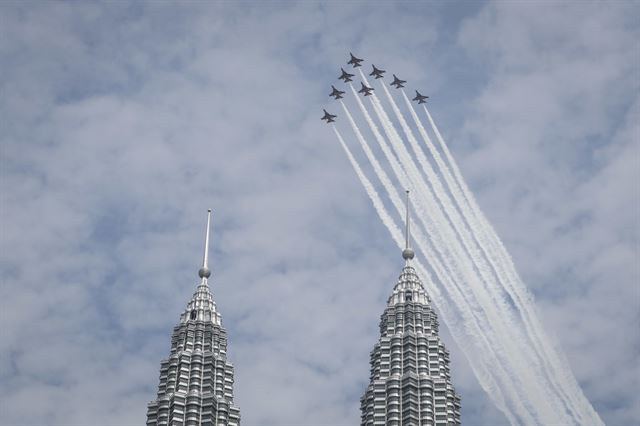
397, 82
376, 72
366, 90
345, 76
420, 98
336, 93
354, 61
329, 117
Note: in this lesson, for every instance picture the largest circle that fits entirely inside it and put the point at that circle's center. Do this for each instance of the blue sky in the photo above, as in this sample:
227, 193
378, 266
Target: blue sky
123, 122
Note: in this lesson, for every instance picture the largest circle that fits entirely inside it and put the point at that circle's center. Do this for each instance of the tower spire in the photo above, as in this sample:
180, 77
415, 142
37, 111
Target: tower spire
407, 253
205, 272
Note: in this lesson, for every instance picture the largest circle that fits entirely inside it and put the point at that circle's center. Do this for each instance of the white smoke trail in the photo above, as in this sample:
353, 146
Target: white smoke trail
449, 259
382, 175
450, 214
494, 305
471, 215
456, 214
554, 361
481, 369
551, 376
506, 270
403, 159
395, 232
465, 224
478, 256
393, 161
401, 175
388, 186
457, 184
463, 198
451, 183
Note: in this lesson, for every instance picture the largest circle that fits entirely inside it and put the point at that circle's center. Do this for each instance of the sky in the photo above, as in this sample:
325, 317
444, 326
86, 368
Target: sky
122, 123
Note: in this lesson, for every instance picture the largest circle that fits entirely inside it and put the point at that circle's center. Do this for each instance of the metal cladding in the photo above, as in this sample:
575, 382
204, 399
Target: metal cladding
410, 382
196, 381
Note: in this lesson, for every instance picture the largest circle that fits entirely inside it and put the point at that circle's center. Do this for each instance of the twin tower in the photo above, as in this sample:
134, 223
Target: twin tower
409, 385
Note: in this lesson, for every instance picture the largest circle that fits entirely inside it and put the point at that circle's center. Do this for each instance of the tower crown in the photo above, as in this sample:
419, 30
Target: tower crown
202, 307
408, 288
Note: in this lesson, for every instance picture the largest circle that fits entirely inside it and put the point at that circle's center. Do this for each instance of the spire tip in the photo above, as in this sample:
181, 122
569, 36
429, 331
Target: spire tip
407, 253
205, 272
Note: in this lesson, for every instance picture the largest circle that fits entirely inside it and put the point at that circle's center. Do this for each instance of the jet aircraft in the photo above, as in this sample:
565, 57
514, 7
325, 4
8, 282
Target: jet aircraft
354, 61
420, 98
329, 117
366, 90
377, 73
397, 82
336, 93
345, 76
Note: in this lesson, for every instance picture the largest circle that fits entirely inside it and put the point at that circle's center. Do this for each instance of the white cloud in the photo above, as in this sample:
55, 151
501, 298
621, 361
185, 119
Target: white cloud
123, 123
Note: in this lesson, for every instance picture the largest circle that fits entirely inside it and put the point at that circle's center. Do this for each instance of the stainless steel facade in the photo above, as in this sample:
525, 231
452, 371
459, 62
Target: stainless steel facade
410, 381
196, 381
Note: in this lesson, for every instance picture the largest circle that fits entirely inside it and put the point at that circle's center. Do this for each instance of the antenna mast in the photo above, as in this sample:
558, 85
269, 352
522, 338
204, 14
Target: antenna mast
205, 272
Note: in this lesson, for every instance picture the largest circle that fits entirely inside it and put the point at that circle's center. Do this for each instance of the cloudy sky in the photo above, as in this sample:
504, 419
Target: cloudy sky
122, 123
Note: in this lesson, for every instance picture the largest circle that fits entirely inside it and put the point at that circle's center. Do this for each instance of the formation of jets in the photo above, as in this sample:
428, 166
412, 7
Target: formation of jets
366, 91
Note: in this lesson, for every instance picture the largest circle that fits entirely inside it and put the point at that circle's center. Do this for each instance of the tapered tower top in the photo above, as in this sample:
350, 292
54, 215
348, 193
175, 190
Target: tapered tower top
196, 379
205, 272
405, 388
407, 253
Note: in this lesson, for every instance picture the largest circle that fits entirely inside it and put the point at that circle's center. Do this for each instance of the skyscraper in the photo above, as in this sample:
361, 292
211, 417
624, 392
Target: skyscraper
196, 381
410, 381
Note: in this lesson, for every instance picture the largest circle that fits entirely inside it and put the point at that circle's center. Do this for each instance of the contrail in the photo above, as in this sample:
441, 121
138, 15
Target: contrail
484, 245
393, 194
553, 358
523, 302
472, 329
489, 298
475, 241
487, 233
457, 214
428, 213
432, 228
536, 360
395, 232
448, 212
393, 161
535, 348
382, 175
447, 259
